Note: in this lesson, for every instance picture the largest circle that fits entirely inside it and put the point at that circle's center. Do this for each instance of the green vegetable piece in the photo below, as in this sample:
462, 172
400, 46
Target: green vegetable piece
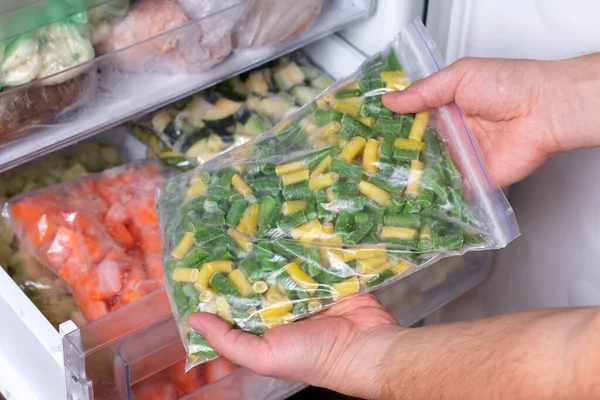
388, 184
353, 127
345, 188
406, 155
387, 147
348, 203
297, 191
393, 63
291, 221
265, 185
251, 267
313, 261
288, 249
223, 285
206, 234
236, 211
300, 309
344, 224
396, 205
448, 241
388, 125
226, 177
321, 117
346, 170
194, 258
361, 231
181, 300
347, 93
220, 193
311, 208
412, 207
383, 276
315, 158
268, 259
269, 210
197, 345
403, 220
433, 151
371, 82
426, 197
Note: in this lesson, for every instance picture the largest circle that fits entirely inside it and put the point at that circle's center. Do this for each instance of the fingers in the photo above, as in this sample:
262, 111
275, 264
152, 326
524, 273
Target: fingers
435, 91
241, 348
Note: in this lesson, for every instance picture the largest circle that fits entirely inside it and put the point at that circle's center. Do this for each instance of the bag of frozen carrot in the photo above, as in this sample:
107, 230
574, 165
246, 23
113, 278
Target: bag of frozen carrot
99, 233
342, 197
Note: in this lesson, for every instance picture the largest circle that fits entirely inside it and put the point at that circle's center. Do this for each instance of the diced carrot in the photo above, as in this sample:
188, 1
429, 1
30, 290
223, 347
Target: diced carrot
92, 309
119, 233
93, 248
159, 389
218, 368
185, 383
151, 240
110, 278
117, 213
62, 247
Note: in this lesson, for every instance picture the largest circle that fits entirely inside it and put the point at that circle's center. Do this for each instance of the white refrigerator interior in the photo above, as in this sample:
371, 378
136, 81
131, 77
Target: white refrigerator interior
555, 261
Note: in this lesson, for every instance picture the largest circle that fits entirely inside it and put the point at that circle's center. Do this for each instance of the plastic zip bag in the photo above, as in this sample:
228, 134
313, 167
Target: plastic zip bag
99, 233
340, 198
233, 112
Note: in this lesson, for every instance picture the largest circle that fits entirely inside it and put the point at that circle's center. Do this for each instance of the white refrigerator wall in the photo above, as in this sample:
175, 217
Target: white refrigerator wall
555, 262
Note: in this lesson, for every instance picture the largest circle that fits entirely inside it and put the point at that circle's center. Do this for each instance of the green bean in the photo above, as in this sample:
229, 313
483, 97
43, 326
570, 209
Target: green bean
181, 301
383, 276
348, 203
346, 188
265, 185
402, 220
251, 268
291, 221
387, 147
226, 177
288, 248
312, 160
361, 231
346, 170
198, 345
388, 125
313, 261
236, 211
311, 208
406, 154
296, 191
321, 200
269, 211
393, 62
353, 127
206, 234
321, 117
222, 285
344, 224
220, 193
396, 205
194, 258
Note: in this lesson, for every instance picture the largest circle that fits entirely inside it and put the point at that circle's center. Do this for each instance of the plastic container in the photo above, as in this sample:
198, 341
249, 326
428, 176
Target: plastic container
166, 60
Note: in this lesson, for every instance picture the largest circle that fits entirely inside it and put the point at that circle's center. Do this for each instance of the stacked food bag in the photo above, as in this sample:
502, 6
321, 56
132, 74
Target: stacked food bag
340, 198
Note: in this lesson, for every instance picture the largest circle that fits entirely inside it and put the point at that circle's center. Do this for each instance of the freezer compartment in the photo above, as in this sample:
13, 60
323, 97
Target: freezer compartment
108, 357
115, 94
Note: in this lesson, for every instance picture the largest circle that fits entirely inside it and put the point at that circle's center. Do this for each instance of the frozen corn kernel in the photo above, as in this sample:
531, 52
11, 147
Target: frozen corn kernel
184, 246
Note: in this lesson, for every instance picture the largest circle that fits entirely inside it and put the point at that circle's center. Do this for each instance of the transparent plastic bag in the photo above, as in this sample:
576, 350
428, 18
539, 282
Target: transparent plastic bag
166, 39
51, 295
340, 198
231, 113
104, 17
269, 22
99, 233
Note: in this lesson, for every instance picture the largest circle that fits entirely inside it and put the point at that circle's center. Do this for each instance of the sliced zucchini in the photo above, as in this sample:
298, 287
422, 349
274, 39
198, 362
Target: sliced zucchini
289, 76
322, 82
222, 109
215, 143
290, 111
310, 72
257, 84
275, 107
238, 86
256, 125
162, 118
268, 75
252, 103
198, 107
304, 94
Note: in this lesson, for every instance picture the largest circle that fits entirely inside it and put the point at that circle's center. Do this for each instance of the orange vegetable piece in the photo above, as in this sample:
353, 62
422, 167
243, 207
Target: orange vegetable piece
218, 368
120, 234
185, 383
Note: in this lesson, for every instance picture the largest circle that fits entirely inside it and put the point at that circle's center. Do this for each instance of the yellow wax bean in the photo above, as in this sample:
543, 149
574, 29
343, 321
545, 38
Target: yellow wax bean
276, 309
393, 232
400, 267
274, 322
413, 188
241, 283
252, 226
345, 288
241, 239
202, 281
244, 224
288, 168
354, 147
260, 287
426, 233
184, 246
409, 144
223, 310
222, 266
375, 193
333, 127
370, 265
397, 84
290, 207
371, 155
323, 181
241, 186
389, 75
301, 277
185, 274
207, 295
368, 121
321, 168
295, 177
314, 305
195, 190
417, 130
308, 232
371, 252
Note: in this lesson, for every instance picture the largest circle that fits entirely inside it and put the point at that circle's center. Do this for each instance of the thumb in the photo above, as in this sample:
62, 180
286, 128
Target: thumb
434, 91
239, 347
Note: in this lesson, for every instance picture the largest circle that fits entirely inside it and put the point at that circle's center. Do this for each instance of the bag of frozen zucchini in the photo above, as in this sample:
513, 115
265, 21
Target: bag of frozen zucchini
340, 198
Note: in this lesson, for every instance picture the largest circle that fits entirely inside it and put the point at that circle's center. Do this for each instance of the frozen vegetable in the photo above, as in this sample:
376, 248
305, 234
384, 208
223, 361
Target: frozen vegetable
340, 198
165, 39
51, 54
48, 292
232, 112
98, 233
269, 22
103, 18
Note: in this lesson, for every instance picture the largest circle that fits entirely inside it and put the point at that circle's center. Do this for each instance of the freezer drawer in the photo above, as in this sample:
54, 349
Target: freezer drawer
106, 358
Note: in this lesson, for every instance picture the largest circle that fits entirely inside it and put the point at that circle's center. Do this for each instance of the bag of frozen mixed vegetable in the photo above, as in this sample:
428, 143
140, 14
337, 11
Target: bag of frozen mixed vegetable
231, 113
340, 198
99, 233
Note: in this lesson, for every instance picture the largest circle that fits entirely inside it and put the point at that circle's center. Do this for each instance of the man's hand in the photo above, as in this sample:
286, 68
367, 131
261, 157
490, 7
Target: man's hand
340, 348
522, 112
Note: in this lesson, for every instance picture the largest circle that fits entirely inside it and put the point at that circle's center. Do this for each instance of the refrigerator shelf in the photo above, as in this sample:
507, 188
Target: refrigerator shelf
120, 95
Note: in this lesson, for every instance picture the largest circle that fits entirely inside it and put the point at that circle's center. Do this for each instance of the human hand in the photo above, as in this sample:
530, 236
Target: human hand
522, 112
340, 348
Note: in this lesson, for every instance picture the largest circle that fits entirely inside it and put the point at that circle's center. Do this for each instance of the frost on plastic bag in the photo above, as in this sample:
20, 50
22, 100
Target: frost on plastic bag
233, 112
100, 234
342, 197
269, 22
158, 36
102, 19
